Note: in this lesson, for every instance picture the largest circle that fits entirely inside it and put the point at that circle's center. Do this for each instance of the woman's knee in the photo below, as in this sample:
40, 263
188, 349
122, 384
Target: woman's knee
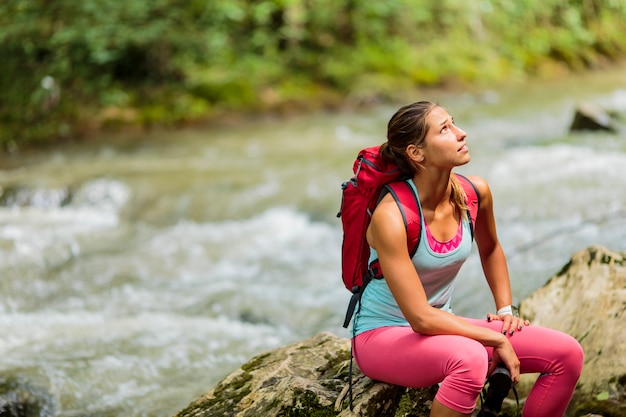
468, 365
563, 353
465, 372
573, 356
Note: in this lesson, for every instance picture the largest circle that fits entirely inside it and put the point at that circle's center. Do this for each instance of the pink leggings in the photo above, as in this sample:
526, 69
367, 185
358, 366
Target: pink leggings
400, 356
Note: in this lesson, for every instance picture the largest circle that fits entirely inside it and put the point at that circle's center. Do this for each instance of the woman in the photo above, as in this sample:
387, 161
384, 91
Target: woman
408, 336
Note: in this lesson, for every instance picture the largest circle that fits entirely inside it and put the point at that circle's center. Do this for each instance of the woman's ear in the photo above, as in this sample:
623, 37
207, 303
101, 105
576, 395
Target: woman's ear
415, 153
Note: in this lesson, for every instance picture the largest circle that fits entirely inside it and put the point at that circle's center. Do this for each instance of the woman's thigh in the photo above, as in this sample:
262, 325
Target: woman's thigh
400, 356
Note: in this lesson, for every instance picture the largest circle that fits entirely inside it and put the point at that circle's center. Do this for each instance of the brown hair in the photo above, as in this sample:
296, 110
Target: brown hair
408, 126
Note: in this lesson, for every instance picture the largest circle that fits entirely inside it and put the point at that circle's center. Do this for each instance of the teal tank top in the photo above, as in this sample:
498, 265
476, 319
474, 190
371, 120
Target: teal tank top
437, 272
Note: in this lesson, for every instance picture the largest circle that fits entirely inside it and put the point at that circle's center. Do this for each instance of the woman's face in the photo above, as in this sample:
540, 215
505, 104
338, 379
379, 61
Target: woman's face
445, 142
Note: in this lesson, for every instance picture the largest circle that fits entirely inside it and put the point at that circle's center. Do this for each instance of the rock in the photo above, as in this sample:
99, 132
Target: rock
20, 398
308, 378
587, 299
589, 116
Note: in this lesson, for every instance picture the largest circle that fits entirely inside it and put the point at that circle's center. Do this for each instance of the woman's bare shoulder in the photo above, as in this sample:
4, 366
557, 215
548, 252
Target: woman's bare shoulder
481, 185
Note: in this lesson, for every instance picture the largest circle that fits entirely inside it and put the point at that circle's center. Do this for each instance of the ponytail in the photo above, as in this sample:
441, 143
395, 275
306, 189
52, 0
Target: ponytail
398, 157
384, 150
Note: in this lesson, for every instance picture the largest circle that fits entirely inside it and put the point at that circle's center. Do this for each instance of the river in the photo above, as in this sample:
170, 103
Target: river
140, 269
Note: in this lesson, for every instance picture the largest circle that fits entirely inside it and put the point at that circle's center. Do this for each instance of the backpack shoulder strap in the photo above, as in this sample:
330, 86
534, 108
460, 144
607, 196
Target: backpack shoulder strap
405, 198
472, 200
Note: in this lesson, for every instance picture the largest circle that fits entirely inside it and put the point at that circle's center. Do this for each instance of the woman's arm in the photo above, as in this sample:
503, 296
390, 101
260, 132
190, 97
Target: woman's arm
491, 253
493, 259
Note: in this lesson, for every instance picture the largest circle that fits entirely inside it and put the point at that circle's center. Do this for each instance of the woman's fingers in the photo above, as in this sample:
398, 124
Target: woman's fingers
510, 324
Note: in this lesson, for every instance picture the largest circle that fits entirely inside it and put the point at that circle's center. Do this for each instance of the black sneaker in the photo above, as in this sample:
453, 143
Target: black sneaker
499, 386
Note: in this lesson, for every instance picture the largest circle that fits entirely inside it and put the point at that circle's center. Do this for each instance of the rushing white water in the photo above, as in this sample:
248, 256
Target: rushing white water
138, 272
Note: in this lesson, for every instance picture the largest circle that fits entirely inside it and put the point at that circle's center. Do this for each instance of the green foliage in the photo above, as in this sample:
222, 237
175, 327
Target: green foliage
69, 59
67, 63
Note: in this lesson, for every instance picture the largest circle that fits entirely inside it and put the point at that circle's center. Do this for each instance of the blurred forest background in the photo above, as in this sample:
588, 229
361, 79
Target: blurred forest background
69, 68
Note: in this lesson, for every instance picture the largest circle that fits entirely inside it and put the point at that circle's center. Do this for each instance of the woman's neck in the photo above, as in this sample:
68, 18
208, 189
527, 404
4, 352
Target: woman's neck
433, 188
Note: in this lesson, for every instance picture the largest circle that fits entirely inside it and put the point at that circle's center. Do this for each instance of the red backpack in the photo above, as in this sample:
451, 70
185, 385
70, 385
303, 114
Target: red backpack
373, 178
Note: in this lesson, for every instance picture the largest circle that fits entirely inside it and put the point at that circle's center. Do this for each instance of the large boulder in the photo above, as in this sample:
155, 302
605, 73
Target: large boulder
308, 378
586, 299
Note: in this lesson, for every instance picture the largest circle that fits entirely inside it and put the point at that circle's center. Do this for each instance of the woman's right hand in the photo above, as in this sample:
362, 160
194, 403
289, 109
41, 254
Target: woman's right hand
504, 353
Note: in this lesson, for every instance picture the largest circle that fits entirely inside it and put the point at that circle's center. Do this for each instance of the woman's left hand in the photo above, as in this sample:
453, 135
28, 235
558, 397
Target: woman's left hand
510, 323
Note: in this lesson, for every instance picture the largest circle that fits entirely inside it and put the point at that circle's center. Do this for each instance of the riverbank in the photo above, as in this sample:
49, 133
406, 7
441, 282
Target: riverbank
76, 68
127, 122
